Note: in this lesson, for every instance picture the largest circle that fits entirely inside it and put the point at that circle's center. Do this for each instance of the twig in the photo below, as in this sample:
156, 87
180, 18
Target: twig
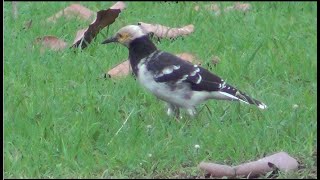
120, 128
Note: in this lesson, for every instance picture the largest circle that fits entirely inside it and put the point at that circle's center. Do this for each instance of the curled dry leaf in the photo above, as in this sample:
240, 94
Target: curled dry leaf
166, 32
80, 34
242, 6
210, 7
196, 8
103, 19
27, 24
253, 168
217, 170
280, 160
238, 6
73, 10
50, 42
215, 60
124, 68
229, 8
119, 5
214, 7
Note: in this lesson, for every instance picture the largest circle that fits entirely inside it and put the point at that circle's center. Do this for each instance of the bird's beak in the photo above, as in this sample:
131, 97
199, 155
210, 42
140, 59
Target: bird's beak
110, 40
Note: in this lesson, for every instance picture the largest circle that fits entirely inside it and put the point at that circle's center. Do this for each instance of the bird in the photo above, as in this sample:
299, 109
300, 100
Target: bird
181, 84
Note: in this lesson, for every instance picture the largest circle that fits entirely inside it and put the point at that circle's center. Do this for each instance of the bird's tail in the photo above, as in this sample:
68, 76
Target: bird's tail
232, 93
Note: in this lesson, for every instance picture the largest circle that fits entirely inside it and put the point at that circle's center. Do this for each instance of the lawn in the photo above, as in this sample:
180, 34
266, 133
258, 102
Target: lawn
62, 120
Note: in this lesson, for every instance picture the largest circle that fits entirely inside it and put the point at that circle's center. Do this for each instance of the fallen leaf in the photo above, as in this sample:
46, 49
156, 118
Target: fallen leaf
71, 11
103, 19
50, 42
166, 32
119, 5
242, 6
252, 169
217, 170
27, 25
210, 7
238, 6
272, 165
215, 60
229, 8
281, 161
79, 35
124, 68
213, 7
197, 7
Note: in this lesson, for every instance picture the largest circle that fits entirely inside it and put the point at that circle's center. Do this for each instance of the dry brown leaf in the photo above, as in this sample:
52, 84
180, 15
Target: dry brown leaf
166, 32
280, 160
229, 8
253, 168
242, 6
71, 11
80, 34
218, 170
238, 6
210, 7
213, 7
215, 60
119, 5
124, 68
27, 25
50, 42
197, 7
103, 19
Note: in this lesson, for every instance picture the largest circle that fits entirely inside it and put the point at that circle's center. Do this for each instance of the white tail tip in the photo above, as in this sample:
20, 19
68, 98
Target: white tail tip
262, 106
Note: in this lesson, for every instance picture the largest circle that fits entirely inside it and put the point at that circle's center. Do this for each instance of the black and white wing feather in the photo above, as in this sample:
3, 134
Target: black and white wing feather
172, 69
168, 68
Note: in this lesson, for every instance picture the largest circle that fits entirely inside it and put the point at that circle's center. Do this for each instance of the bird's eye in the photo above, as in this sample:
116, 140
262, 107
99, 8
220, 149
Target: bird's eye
120, 35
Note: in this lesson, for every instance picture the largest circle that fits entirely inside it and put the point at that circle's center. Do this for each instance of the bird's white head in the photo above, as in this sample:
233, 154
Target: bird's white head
126, 34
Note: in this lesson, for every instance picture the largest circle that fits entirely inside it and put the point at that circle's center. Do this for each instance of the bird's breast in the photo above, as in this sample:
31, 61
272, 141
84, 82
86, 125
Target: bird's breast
146, 79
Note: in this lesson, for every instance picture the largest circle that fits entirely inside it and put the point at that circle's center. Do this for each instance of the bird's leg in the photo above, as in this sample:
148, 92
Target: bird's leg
192, 111
172, 109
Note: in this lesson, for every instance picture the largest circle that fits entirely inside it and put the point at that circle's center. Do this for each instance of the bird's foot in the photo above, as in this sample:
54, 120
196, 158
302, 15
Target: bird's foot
174, 110
192, 112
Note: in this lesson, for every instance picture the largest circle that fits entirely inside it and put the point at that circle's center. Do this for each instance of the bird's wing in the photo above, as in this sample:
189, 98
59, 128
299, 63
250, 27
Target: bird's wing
172, 69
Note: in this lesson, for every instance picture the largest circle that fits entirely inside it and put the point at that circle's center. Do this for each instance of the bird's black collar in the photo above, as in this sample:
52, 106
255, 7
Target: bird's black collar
138, 49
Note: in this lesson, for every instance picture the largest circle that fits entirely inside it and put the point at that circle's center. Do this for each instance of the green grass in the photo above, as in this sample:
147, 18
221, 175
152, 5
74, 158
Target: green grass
59, 117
